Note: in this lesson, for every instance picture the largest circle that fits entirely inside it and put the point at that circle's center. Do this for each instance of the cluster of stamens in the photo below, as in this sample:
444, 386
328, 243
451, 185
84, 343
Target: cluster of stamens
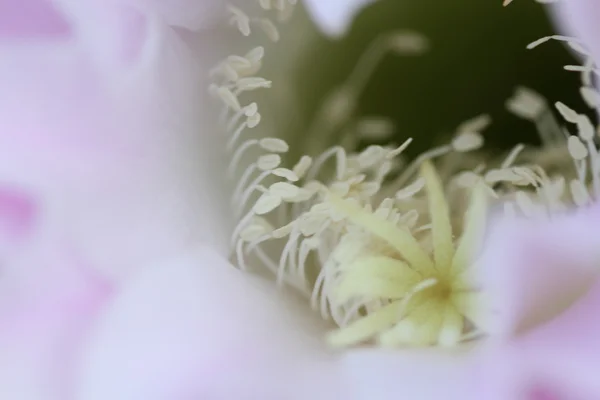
386, 247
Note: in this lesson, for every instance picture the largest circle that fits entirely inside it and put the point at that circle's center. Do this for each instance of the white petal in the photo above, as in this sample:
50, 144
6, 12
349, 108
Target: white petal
190, 14
413, 374
198, 328
580, 17
334, 16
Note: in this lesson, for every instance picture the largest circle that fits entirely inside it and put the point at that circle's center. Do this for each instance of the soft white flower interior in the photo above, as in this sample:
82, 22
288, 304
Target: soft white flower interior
383, 246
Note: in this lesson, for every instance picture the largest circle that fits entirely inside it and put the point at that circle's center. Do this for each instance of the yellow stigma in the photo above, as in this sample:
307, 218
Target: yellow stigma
429, 298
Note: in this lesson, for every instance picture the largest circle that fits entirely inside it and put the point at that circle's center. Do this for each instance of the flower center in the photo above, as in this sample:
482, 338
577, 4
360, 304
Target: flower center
410, 297
350, 226
441, 291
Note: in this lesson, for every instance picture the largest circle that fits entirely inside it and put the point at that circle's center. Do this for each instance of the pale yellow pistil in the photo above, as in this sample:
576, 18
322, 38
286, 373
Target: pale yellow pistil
430, 299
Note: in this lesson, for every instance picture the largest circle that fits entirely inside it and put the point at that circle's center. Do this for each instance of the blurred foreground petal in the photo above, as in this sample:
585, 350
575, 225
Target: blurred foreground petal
533, 270
560, 359
121, 153
580, 18
198, 328
571, 346
416, 374
31, 19
189, 14
17, 219
48, 301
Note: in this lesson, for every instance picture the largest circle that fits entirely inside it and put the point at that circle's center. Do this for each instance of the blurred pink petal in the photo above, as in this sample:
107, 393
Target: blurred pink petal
558, 360
17, 218
190, 14
567, 349
542, 277
44, 313
580, 17
113, 32
31, 19
198, 328
533, 270
121, 156
417, 374
91, 15
102, 132
334, 16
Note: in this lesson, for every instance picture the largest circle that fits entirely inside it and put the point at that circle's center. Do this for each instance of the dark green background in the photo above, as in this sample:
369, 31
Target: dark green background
477, 58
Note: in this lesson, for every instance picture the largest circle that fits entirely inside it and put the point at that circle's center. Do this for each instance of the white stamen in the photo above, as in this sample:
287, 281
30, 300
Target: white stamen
576, 148
268, 162
266, 203
274, 145
467, 141
567, 112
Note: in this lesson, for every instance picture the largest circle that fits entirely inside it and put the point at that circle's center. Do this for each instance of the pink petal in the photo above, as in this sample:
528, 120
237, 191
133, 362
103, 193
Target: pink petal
564, 354
508, 374
532, 271
122, 158
198, 328
17, 218
31, 19
113, 32
580, 17
47, 301
189, 14
418, 374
